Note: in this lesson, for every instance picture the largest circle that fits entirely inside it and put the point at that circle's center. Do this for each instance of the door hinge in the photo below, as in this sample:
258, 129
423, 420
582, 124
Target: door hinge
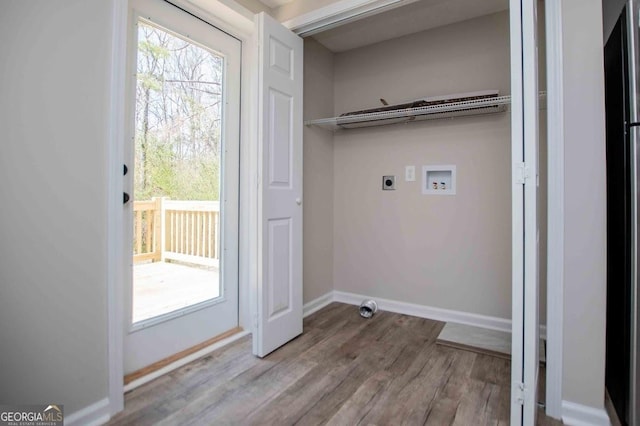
522, 173
519, 394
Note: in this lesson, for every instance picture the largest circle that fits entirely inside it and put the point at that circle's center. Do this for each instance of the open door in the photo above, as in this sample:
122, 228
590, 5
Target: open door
524, 149
279, 295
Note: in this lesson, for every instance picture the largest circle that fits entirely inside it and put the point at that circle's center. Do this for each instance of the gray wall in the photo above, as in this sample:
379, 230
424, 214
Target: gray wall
451, 252
53, 322
585, 204
318, 172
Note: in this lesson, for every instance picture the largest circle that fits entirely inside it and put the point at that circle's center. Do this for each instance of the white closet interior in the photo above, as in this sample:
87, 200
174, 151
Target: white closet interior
406, 245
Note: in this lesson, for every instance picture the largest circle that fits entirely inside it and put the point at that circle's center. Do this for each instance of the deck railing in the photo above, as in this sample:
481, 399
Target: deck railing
186, 231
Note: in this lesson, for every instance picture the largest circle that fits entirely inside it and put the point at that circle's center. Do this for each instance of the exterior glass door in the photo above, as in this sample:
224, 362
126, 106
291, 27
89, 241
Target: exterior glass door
184, 163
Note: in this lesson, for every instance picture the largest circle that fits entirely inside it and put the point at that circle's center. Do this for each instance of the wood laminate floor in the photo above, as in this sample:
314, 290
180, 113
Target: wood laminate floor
343, 370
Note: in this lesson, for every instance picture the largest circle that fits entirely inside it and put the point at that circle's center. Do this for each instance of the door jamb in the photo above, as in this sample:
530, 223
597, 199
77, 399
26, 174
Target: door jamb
115, 215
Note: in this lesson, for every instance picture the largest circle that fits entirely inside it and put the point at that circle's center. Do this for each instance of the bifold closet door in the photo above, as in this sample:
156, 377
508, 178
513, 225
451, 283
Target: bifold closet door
524, 148
279, 295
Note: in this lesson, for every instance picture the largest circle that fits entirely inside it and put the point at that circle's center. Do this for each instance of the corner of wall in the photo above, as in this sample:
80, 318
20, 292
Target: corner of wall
584, 310
318, 173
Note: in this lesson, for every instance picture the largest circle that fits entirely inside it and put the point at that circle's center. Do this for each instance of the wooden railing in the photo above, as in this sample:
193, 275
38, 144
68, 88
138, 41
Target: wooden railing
147, 228
186, 231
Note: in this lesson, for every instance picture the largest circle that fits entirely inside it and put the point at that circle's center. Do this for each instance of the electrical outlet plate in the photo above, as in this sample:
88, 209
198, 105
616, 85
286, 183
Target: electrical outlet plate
388, 183
410, 173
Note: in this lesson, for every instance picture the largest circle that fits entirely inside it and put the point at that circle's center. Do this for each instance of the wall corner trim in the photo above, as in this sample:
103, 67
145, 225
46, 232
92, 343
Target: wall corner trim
583, 415
316, 304
97, 413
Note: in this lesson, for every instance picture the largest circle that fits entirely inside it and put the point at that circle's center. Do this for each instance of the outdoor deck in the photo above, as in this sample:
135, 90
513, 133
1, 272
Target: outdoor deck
163, 287
176, 255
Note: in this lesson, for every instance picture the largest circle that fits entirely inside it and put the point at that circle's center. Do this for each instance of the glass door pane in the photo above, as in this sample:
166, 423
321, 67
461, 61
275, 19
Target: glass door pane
178, 128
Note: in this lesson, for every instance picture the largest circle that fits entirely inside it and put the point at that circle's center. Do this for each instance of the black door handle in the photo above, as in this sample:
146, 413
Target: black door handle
125, 196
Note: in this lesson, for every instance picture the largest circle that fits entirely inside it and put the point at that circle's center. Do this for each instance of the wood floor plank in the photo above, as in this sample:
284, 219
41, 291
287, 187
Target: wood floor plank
330, 402
168, 391
175, 357
415, 390
297, 400
235, 406
366, 397
476, 405
491, 369
342, 370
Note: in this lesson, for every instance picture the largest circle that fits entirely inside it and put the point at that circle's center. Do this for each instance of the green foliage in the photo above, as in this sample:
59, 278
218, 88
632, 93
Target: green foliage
148, 48
149, 81
178, 118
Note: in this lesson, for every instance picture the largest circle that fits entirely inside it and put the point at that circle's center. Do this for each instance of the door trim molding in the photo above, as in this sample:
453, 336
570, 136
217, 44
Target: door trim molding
115, 215
226, 15
555, 208
339, 13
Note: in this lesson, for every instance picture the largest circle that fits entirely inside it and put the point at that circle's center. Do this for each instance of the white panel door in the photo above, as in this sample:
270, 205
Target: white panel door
279, 301
524, 146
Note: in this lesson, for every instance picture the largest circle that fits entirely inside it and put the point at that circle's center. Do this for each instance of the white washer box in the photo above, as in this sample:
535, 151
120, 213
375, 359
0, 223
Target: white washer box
439, 180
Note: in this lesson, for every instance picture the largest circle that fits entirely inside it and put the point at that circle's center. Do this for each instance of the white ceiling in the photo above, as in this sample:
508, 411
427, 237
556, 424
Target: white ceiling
415, 17
275, 3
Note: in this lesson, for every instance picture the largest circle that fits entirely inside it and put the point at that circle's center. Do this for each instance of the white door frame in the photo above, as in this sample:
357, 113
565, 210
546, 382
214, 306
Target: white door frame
115, 213
238, 21
524, 150
519, 214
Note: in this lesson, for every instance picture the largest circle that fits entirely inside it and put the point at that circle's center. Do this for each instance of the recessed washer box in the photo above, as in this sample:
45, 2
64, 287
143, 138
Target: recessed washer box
439, 180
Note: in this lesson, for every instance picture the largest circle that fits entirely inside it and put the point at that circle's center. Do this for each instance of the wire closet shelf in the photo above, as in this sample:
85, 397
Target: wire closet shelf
407, 115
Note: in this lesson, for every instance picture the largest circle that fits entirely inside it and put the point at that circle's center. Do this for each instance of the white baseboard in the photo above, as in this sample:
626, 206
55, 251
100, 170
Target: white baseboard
429, 312
183, 361
582, 415
422, 311
95, 414
317, 304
